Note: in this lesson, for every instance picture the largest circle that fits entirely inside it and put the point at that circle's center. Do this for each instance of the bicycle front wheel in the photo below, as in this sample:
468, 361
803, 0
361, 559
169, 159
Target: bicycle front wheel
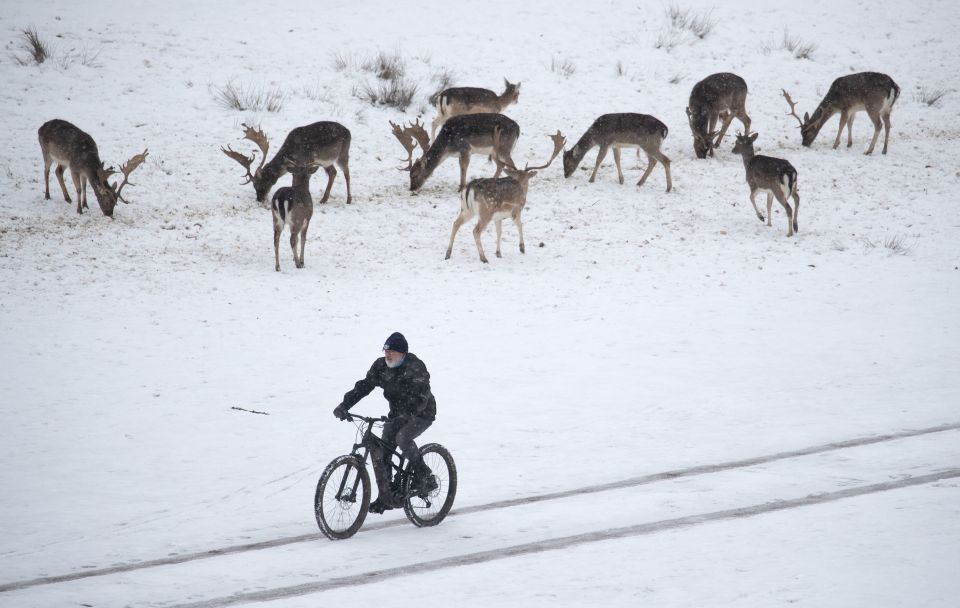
431, 508
342, 498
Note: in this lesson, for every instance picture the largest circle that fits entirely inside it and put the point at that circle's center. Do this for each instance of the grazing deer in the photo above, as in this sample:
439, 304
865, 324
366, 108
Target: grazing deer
321, 144
774, 176
69, 147
495, 199
722, 95
458, 101
872, 92
293, 206
620, 131
460, 136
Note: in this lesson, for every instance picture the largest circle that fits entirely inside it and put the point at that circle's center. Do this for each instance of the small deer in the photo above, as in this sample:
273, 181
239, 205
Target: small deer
774, 176
293, 206
872, 92
460, 136
620, 131
66, 145
458, 101
321, 144
495, 199
722, 95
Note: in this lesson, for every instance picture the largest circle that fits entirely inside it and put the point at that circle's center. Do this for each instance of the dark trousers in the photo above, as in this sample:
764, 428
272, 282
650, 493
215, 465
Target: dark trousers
398, 432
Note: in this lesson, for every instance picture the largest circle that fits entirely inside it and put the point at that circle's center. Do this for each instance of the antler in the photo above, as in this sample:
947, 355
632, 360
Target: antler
127, 168
406, 140
793, 107
256, 136
558, 142
708, 140
407, 135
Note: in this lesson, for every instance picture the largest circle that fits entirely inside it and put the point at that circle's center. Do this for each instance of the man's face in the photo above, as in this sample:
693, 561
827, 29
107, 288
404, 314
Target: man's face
392, 357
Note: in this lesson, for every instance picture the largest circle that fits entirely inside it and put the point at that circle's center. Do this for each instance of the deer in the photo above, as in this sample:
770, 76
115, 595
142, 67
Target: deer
460, 136
775, 176
321, 144
722, 95
458, 101
292, 206
872, 92
495, 199
71, 148
620, 131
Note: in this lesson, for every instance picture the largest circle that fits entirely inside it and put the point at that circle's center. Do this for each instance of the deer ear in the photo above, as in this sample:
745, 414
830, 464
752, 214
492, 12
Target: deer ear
753, 137
806, 117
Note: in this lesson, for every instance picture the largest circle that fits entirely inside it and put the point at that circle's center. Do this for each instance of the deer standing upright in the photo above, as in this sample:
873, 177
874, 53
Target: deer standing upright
495, 199
774, 176
458, 101
722, 95
460, 136
66, 145
620, 131
293, 206
321, 144
872, 92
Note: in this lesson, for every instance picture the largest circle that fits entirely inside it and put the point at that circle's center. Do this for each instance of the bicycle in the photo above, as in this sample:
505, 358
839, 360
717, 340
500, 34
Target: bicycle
342, 500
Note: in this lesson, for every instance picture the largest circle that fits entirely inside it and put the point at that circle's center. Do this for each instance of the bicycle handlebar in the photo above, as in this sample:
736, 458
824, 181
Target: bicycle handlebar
367, 419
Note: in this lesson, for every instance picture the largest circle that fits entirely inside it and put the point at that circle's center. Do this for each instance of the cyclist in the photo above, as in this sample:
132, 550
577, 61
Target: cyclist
406, 386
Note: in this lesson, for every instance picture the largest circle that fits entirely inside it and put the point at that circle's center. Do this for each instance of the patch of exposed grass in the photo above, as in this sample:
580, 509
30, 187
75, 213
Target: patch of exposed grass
564, 67
397, 93
249, 98
929, 97
36, 48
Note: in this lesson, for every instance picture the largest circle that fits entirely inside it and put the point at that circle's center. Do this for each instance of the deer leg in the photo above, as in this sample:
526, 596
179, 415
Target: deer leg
461, 219
616, 161
519, 223
753, 201
886, 131
293, 246
499, 224
63, 186
711, 125
464, 165
783, 201
477, 230
770, 207
651, 163
600, 155
345, 167
850, 129
843, 123
277, 229
875, 118
81, 187
796, 209
331, 173
727, 119
743, 118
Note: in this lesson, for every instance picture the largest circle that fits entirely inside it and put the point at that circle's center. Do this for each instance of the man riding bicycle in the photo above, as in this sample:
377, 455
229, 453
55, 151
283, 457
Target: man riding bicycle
406, 386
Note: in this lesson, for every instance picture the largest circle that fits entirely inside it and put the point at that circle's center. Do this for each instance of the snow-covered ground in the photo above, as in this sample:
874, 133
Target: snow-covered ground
641, 333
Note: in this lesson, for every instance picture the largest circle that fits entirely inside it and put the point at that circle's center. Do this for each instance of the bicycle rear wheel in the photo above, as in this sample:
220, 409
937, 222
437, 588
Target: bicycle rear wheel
430, 509
342, 498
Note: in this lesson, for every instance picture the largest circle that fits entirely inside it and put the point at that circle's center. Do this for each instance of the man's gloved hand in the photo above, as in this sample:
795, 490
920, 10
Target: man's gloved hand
341, 412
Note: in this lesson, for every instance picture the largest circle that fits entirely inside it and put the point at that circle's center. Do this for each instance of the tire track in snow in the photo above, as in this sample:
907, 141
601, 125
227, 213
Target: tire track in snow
502, 504
554, 544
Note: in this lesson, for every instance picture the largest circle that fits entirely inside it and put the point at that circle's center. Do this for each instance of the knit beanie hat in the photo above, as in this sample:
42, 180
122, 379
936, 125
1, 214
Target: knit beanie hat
396, 342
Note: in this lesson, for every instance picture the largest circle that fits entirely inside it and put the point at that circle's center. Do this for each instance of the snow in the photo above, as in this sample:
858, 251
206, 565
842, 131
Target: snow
641, 332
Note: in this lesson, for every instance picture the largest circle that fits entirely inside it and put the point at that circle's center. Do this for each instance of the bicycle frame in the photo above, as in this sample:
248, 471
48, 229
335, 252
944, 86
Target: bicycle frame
368, 440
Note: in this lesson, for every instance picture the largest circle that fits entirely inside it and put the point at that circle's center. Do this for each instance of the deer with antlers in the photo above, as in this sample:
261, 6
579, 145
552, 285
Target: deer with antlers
458, 101
495, 199
619, 131
460, 136
70, 148
717, 96
871, 92
321, 144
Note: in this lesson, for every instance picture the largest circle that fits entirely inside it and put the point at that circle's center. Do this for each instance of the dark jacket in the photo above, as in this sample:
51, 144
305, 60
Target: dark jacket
406, 387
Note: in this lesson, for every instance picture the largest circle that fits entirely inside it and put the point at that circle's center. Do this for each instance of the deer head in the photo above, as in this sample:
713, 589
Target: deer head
258, 137
107, 194
409, 137
703, 143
